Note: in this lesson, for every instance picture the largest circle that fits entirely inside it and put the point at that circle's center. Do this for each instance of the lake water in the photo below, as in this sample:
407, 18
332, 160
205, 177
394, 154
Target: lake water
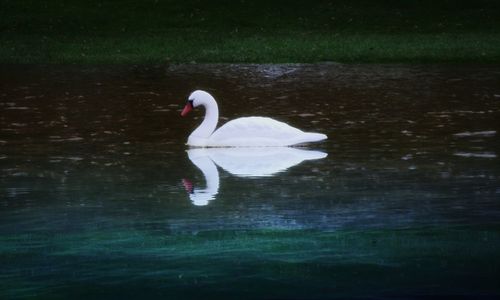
99, 197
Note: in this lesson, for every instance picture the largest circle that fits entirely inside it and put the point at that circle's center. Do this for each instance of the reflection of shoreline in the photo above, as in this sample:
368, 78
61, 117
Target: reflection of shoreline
242, 162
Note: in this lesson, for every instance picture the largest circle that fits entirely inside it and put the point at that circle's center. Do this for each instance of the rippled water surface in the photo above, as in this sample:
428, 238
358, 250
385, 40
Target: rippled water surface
99, 197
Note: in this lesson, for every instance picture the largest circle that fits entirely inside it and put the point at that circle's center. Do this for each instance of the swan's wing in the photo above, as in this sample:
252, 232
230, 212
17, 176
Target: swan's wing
254, 131
256, 127
260, 131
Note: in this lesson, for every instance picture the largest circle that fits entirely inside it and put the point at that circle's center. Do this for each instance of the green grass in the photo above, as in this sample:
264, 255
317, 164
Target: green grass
249, 31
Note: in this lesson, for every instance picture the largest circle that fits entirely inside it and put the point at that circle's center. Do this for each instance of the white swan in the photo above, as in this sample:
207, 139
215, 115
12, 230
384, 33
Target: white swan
242, 132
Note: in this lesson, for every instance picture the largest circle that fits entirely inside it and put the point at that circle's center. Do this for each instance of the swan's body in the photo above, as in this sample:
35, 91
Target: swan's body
242, 132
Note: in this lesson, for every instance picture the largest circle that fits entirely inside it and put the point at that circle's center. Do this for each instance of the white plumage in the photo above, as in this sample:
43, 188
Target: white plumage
242, 132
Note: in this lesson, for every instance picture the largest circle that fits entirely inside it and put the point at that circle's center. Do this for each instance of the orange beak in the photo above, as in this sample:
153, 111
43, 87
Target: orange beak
187, 108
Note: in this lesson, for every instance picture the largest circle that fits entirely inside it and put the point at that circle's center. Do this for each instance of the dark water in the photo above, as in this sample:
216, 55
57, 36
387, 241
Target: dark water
95, 176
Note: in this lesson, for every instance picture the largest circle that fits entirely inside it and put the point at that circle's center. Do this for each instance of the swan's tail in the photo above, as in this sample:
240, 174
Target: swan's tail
308, 137
314, 137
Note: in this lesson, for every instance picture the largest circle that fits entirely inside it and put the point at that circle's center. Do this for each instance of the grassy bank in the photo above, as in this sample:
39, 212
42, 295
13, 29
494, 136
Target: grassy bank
249, 31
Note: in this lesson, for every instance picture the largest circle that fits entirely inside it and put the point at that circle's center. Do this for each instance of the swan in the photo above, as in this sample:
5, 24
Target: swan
241, 132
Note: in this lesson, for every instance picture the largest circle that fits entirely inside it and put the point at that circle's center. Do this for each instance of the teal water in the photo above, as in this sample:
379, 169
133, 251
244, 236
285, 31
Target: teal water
100, 199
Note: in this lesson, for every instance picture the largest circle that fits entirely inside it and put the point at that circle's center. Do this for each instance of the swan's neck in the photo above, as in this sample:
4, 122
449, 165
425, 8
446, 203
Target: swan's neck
209, 123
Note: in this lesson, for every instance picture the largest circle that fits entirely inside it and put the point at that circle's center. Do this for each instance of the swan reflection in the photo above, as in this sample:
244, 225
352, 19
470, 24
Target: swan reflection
241, 162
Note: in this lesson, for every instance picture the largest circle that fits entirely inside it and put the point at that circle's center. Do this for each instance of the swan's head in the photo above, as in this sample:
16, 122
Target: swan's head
197, 98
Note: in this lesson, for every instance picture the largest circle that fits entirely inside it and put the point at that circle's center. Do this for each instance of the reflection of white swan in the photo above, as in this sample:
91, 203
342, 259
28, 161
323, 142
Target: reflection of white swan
209, 170
243, 162
242, 132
